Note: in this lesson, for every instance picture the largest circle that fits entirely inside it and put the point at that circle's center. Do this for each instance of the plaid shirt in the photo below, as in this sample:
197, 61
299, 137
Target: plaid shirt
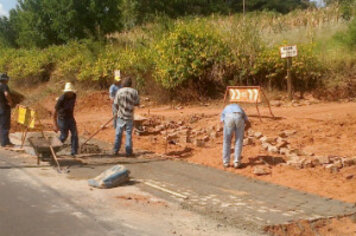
125, 100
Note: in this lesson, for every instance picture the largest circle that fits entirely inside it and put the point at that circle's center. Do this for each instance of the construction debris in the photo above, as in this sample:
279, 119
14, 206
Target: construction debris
261, 170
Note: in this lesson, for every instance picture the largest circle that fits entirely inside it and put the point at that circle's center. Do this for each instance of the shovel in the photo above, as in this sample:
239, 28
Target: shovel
92, 136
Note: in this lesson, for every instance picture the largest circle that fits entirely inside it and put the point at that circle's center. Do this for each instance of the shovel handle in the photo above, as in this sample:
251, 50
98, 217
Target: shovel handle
101, 128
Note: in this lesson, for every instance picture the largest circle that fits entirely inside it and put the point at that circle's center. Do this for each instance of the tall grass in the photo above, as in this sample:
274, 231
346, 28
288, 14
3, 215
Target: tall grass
215, 50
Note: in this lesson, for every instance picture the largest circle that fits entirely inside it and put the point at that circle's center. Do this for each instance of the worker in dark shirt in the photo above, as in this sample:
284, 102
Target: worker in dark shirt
63, 118
5, 111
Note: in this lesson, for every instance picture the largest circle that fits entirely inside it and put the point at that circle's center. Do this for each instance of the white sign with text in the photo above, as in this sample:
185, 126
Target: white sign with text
288, 51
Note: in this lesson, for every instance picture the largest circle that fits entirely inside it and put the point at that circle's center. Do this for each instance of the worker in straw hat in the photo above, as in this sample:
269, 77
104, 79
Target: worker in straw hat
5, 111
63, 118
112, 93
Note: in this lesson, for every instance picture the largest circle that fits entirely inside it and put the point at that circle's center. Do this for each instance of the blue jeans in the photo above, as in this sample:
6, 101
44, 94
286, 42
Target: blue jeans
122, 125
233, 124
114, 114
5, 123
66, 125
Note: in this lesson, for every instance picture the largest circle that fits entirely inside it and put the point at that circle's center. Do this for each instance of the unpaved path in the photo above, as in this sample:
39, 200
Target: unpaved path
323, 129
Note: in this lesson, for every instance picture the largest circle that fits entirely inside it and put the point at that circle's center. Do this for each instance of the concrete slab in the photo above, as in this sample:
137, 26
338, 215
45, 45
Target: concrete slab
16, 137
244, 202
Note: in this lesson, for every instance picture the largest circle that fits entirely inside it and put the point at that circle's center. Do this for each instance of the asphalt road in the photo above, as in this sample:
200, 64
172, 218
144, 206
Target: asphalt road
29, 207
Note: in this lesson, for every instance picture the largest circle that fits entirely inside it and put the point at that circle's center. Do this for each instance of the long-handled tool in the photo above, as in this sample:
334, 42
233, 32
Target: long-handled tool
101, 128
50, 147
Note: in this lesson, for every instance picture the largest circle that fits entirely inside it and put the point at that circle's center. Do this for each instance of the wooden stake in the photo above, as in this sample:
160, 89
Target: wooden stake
50, 147
258, 111
165, 152
289, 79
23, 138
269, 105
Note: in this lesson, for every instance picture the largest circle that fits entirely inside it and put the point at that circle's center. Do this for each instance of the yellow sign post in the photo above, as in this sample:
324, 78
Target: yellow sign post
27, 118
22, 115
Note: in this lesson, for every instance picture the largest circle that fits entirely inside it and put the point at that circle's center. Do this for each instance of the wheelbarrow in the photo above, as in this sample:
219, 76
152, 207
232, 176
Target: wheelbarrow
45, 148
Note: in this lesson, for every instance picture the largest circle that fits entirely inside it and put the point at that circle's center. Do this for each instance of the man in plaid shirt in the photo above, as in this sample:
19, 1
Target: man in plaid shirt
125, 101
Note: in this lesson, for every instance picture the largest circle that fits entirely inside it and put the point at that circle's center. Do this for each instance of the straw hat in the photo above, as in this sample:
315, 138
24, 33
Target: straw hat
69, 88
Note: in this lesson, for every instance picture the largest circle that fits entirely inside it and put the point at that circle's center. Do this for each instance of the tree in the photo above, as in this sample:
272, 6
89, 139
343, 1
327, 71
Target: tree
44, 22
7, 33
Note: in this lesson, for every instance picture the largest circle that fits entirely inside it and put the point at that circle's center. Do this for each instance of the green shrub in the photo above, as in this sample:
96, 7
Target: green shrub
192, 54
270, 70
26, 67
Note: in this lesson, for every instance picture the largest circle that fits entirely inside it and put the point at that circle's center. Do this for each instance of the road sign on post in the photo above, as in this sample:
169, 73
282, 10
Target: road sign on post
246, 94
117, 75
288, 52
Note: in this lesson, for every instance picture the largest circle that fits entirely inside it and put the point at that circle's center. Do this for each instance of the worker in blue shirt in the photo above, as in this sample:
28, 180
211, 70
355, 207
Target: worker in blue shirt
112, 93
235, 122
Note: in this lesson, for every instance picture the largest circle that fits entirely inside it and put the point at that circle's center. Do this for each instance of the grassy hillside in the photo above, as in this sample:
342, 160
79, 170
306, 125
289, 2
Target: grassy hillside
198, 56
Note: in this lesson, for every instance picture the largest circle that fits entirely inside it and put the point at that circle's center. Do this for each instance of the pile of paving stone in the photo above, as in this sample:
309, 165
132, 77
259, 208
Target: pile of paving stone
295, 157
198, 137
181, 132
294, 103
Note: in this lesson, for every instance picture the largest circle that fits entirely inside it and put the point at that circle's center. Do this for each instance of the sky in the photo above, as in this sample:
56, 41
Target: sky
6, 5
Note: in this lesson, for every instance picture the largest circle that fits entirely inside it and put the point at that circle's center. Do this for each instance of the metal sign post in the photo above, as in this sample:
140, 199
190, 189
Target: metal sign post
288, 52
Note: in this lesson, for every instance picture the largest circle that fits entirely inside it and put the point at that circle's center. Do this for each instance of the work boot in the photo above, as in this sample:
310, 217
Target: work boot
226, 165
115, 154
130, 155
237, 165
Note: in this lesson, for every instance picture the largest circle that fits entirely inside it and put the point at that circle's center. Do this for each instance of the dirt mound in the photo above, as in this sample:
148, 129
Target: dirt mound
95, 101
330, 226
90, 148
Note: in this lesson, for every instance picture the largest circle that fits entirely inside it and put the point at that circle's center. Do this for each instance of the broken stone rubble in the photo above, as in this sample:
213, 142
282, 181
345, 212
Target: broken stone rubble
261, 170
298, 158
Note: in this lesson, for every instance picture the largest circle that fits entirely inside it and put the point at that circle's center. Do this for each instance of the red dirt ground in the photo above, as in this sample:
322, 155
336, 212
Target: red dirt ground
322, 129
344, 226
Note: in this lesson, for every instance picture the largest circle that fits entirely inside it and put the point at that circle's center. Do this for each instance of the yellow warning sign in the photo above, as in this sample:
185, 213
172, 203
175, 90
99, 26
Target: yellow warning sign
26, 117
33, 119
244, 94
22, 115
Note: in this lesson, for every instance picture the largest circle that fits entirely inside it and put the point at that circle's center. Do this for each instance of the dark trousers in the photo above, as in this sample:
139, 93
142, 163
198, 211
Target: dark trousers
66, 125
5, 123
